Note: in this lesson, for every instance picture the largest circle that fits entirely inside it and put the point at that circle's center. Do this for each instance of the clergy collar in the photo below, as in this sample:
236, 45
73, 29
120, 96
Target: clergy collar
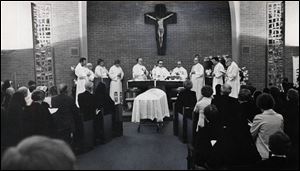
278, 155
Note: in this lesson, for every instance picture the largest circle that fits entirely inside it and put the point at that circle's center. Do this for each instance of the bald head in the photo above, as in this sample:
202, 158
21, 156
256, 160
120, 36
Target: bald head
226, 89
63, 88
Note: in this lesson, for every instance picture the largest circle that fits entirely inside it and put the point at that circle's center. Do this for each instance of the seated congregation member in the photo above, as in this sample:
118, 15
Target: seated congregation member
280, 145
7, 97
180, 72
102, 102
87, 103
291, 124
13, 124
51, 93
218, 91
116, 75
160, 72
256, 94
186, 97
37, 118
278, 98
265, 124
234, 144
206, 92
66, 114
248, 108
39, 153
205, 135
227, 106
139, 71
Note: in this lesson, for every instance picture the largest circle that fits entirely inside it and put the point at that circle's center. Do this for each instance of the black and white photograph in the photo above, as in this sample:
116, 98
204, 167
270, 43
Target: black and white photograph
149, 85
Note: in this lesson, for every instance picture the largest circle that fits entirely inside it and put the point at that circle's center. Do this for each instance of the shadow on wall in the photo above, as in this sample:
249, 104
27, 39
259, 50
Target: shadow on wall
253, 50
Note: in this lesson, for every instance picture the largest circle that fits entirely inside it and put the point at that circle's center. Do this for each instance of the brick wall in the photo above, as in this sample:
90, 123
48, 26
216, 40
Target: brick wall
253, 35
116, 30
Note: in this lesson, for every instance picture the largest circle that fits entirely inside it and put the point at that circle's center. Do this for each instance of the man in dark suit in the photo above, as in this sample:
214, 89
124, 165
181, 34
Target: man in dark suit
234, 144
66, 114
87, 103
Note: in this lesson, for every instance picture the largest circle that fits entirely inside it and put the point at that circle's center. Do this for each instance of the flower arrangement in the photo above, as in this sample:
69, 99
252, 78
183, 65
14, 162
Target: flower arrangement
244, 76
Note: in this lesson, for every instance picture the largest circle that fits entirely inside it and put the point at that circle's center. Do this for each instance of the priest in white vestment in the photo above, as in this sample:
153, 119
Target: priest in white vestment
82, 77
116, 75
233, 77
160, 72
218, 73
90, 73
180, 71
139, 71
197, 77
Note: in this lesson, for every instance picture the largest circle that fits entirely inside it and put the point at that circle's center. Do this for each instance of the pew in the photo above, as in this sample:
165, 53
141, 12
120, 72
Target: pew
88, 135
175, 120
182, 123
107, 126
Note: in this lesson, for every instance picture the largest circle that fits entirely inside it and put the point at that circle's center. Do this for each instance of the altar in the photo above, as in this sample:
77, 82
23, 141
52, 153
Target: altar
154, 84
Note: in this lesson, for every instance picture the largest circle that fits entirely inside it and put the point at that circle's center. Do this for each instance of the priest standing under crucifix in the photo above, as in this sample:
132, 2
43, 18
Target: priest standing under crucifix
160, 72
197, 77
180, 72
82, 76
218, 73
139, 71
116, 75
232, 76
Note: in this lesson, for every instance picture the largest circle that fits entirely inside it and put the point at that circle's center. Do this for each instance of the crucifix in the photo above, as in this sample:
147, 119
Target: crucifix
160, 18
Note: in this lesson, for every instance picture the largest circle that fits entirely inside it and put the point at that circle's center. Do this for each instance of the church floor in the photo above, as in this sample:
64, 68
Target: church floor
135, 151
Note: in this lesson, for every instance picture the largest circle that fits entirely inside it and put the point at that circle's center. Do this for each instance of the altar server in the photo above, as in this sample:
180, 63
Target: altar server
197, 77
232, 76
82, 77
218, 73
116, 75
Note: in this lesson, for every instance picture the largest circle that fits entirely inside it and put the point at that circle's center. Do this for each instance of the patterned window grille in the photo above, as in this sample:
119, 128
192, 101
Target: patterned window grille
275, 43
43, 52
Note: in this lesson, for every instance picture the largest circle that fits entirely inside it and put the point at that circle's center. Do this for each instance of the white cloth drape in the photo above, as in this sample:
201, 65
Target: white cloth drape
150, 105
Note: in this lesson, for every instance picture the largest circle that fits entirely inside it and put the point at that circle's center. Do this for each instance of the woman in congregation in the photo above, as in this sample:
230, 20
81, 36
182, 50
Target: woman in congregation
265, 124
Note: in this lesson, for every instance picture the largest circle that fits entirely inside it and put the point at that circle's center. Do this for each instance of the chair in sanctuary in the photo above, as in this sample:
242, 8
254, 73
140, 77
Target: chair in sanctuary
175, 120
118, 121
107, 123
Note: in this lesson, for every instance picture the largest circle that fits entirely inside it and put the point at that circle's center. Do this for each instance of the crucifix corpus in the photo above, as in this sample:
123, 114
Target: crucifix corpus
160, 18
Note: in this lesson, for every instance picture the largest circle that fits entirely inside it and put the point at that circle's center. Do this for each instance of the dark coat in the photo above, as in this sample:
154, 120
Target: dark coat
37, 120
103, 100
186, 98
67, 110
87, 105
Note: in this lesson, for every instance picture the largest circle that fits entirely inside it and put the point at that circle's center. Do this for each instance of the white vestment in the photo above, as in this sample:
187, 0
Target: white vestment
197, 79
115, 91
101, 72
81, 73
160, 73
181, 72
218, 78
233, 79
138, 72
